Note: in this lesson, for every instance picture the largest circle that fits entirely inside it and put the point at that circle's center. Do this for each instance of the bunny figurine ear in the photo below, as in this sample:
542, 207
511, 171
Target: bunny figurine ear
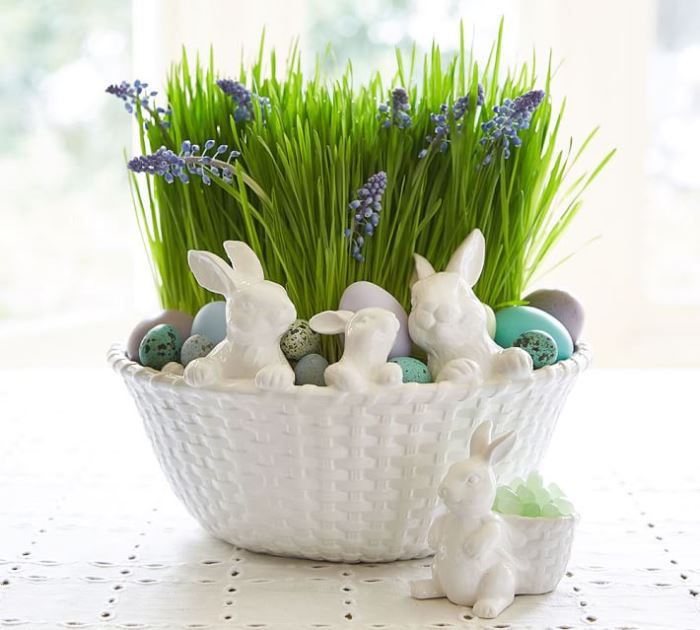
422, 269
468, 259
244, 260
330, 322
481, 438
212, 273
492, 451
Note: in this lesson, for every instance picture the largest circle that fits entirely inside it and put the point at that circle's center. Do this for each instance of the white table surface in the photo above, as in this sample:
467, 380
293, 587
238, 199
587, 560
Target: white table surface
90, 535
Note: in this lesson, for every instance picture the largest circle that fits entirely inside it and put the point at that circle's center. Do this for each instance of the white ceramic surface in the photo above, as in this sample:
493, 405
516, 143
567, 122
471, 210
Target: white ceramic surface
258, 313
482, 559
319, 473
450, 323
369, 337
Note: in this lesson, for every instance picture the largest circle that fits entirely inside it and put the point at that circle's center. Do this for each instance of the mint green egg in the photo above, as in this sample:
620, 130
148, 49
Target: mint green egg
414, 371
160, 346
513, 321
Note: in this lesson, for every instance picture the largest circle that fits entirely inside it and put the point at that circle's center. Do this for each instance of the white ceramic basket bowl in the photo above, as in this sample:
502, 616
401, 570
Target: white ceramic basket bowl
318, 473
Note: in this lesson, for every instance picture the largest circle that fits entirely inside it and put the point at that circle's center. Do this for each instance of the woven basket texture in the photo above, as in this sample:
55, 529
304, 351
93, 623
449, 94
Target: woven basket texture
543, 547
318, 473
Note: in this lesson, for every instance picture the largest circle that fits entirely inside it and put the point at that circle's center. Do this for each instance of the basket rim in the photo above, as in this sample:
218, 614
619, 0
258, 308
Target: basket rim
560, 372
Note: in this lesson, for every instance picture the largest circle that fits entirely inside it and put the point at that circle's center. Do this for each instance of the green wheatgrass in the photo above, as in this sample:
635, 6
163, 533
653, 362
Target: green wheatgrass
304, 160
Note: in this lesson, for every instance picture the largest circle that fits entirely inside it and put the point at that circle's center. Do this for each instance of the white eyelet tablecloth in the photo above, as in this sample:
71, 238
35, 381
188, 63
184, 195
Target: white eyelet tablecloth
91, 537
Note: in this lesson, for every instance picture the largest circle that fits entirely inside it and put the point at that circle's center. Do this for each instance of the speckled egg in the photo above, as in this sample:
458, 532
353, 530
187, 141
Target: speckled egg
179, 320
300, 340
195, 347
159, 346
414, 371
210, 322
173, 368
363, 294
309, 370
540, 346
561, 305
513, 321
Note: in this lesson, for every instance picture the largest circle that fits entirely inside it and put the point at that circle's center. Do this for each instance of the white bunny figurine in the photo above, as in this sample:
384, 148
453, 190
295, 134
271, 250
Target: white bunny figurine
449, 322
258, 312
369, 336
473, 564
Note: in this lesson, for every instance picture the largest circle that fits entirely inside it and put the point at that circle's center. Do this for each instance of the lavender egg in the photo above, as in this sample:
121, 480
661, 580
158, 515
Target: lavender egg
363, 294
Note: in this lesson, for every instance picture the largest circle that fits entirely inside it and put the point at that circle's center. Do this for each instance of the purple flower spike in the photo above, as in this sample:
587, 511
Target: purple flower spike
366, 209
243, 98
171, 166
511, 117
133, 94
395, 110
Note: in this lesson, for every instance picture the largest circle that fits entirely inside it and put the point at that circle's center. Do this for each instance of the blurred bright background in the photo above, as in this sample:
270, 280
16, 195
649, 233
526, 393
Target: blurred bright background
74, 276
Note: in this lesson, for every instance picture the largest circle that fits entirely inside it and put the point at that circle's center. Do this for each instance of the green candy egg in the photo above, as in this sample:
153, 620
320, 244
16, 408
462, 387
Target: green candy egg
300, 340
160, 345
513, 321
414, 371
540, 346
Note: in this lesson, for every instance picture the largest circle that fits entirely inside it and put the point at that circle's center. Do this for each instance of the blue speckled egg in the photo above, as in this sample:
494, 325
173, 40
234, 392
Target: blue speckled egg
178, 319
414, 371
513, 321
300, 340
159, 346
540, 346
309, 370
195, 347
210, 322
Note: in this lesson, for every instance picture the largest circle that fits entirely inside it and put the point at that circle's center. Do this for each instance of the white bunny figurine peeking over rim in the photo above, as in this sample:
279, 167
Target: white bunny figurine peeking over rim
473, 564
369, 336
258, 313
449, 322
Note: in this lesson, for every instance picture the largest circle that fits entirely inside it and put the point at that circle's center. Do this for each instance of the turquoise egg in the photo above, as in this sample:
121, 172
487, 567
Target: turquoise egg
210, 322
540, 346
310, 369
513, 321
300, 340
414, 371
160, 346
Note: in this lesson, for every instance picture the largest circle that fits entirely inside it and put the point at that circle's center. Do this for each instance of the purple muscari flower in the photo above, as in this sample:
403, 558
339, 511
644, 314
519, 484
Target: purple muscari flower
440, 137
511, 116
170, 165
365, 211
138, 93
243, 98
395, 110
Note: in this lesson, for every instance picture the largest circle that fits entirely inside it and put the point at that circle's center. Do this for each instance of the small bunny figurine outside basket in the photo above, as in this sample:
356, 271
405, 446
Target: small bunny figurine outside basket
483, 559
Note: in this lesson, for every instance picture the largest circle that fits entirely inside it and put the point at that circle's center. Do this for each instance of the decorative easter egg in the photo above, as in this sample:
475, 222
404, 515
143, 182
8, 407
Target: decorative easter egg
309, 370
561, 305
490, 321
182, 322
540, 346
414, 371
159, 346
300, 340
363, 294
173, 368
210, 322
195, 347
513, 321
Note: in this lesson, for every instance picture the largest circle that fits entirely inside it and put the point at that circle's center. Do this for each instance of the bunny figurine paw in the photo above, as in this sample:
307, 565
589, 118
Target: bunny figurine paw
275, 377
463, 371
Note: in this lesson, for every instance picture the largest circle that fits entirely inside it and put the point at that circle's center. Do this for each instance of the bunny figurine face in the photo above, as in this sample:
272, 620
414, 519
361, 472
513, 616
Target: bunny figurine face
444, 309
469, 488
263, 310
